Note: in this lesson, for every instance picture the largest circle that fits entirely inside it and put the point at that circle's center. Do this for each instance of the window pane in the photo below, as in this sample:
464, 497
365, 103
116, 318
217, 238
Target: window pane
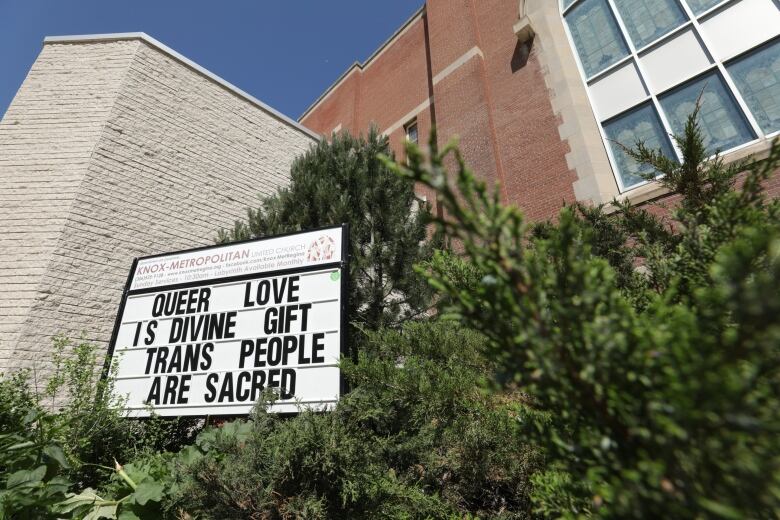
640, 124
699, 6
647, 20
567, 3
723, 124
596, 35
757, 77
411, 133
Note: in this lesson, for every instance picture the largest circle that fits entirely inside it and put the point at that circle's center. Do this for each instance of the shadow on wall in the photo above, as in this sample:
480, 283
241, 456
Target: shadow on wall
521, 54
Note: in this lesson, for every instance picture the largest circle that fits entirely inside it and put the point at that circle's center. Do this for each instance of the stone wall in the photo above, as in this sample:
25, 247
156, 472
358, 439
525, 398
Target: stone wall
114, 148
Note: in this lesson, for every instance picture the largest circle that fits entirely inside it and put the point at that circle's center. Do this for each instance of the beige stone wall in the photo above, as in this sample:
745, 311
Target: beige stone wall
114, 149
587, 156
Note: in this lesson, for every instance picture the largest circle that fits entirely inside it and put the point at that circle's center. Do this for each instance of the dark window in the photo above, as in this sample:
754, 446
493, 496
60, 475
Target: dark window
411, 132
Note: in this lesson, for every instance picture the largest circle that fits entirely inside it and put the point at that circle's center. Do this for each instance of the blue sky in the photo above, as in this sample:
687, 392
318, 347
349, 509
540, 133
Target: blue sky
284, 52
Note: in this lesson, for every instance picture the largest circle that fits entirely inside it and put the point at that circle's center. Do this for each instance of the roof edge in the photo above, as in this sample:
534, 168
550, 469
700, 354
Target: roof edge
355, 65
361, 65
89, 38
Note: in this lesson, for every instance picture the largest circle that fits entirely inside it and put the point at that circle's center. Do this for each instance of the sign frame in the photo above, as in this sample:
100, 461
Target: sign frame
343, 265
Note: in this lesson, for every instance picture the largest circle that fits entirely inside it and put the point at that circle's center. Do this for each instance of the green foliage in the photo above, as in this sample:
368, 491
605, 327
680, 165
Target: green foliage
416, 438
343, 181
696, 178
650, 347
16, 398
679, 251
47, 451
31, 464
459, 271
136, 491
93, 426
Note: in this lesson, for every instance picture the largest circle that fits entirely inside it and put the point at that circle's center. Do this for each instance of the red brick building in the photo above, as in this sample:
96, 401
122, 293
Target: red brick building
537, 91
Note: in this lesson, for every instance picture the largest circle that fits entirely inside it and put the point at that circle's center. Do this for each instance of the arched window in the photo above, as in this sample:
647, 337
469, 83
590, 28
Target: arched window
644, 63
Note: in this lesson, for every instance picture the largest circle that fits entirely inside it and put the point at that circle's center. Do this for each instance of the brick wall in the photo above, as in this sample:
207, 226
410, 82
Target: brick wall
537, 176
395, 83
339, 108
111, 150
463, 57
461, 88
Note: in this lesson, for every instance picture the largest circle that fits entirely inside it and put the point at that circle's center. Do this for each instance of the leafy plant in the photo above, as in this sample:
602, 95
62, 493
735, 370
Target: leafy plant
140, 489
31, 465
65, 436
616, 365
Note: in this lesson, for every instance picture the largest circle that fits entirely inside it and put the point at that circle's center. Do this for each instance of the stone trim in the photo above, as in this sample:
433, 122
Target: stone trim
458, 63
408, 116
523, 29
587, 157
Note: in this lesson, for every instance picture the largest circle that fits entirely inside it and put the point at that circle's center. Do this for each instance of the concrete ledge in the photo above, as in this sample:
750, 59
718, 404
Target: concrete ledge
654, 190
91, 38
640, 195
523, 29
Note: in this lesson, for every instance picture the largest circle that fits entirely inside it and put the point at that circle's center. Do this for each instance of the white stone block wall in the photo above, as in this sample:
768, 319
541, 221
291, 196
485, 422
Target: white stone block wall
116, 148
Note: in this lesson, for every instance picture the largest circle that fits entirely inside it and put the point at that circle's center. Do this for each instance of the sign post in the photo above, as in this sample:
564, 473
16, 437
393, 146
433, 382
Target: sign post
205, 331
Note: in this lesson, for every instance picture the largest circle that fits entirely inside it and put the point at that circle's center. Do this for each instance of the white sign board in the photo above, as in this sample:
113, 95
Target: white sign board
205, 331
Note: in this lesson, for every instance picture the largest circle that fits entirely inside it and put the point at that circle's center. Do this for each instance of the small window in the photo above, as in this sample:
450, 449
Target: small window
722, 122
757, 76
411, 132
639, 124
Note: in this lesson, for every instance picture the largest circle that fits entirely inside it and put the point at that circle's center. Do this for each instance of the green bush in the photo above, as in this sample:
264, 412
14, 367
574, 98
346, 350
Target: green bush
650, 346
416, 438
343, 181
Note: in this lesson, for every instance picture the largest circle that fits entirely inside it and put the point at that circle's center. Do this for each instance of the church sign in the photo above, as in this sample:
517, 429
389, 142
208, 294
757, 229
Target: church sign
206, 331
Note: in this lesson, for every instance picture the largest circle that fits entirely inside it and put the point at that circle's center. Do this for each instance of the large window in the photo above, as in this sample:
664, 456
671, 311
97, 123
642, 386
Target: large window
648, 20
700, 6
638, 124
646, 62
596, 35
757, 76
722, 123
